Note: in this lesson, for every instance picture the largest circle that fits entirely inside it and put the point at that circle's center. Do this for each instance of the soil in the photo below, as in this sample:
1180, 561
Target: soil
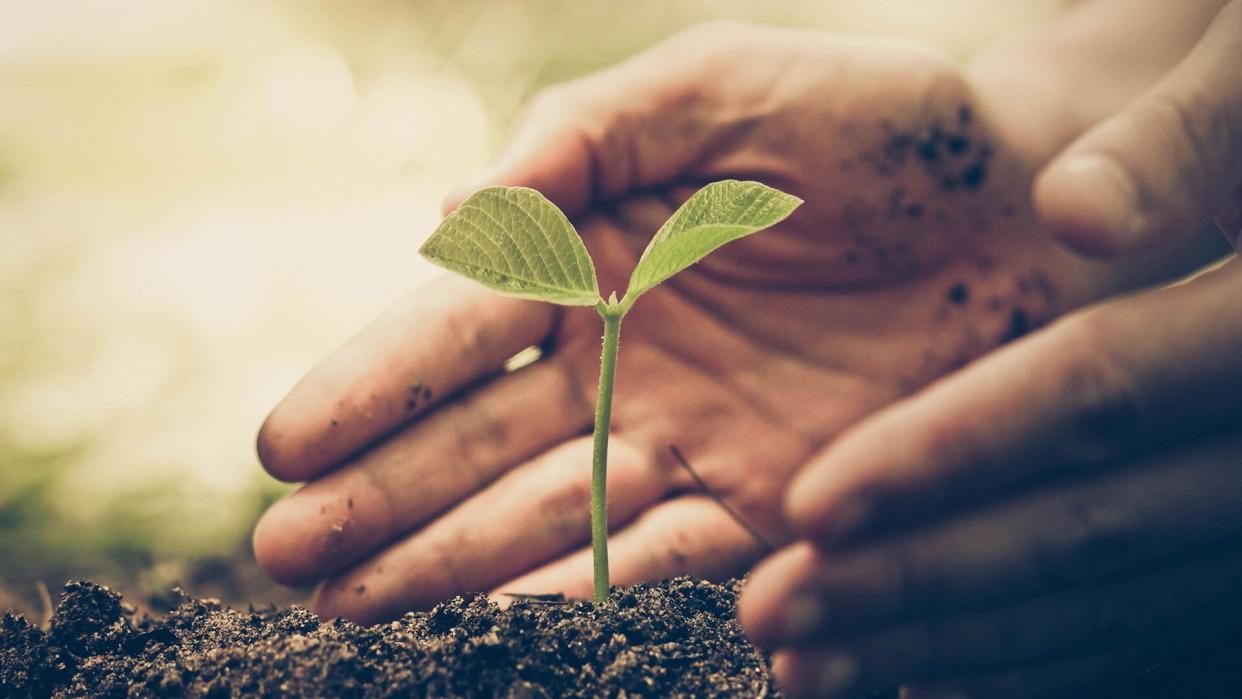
677, 638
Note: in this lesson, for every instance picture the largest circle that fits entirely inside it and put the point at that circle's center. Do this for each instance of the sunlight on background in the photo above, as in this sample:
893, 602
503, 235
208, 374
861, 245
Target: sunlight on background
200, 199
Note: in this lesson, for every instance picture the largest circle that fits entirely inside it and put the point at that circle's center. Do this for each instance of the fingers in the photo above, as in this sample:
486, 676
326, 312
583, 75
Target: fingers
1120, 672
1165, 165
635, 125
690, 535
417, 353
530, 515
1052, 679
1074, 534
1131, 372
390, 489
1071, 623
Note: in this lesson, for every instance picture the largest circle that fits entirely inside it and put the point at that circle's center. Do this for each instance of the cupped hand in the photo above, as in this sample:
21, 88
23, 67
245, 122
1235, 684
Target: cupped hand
1067, 508
1164, 166
1064, 508
432, 471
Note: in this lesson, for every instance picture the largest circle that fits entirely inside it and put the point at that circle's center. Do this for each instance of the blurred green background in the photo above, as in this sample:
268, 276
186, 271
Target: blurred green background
200, 199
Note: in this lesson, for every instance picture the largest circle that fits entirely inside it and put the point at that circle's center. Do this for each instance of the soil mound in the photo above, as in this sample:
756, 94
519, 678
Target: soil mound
677, 638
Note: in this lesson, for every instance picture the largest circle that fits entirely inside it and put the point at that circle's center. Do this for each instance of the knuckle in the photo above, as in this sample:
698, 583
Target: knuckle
1190, 119
1101, 398
567, 507
1090, 539
467, 334
481, 439
673, 554
957, 440
442, 570
920, 584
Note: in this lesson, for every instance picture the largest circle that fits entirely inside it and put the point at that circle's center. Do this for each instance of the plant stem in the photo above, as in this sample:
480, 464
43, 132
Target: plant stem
599, 458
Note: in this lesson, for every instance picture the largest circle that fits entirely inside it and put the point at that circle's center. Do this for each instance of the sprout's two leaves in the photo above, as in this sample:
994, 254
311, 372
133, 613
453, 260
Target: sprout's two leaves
515, 241
717, 214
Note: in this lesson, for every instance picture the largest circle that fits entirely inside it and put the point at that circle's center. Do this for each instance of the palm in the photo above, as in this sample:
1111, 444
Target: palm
749, 375
914, 254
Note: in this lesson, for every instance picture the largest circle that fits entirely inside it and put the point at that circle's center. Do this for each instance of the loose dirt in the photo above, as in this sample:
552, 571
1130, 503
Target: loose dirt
678, 638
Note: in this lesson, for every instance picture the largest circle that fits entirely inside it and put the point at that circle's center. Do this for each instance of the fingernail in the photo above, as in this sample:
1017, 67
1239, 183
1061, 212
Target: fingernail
1110, 195
839, 674
802, 618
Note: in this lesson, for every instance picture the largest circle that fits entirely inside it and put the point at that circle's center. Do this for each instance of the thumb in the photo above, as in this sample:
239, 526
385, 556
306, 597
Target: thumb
637, 124
1162, 167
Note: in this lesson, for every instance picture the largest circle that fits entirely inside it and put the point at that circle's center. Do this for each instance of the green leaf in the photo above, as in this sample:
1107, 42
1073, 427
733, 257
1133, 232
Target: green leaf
716, 214
515, 241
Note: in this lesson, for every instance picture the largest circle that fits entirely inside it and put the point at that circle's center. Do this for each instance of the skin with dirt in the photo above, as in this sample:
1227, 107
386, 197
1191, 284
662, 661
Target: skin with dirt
678, 638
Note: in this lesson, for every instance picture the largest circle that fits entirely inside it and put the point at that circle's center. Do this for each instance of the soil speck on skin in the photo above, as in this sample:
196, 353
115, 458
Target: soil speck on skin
974, 175
1019, 325
958, 294
946, 152
675, 639
418, 392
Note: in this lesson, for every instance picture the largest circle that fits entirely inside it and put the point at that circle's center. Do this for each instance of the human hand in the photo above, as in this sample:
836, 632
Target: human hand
1062, 509
1048, 515
1161, 168
432, 472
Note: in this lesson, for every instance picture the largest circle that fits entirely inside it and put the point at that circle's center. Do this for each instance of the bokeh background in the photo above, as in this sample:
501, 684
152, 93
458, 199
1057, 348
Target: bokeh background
200, 199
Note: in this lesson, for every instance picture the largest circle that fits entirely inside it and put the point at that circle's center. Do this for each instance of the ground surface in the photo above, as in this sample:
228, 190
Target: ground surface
678, 638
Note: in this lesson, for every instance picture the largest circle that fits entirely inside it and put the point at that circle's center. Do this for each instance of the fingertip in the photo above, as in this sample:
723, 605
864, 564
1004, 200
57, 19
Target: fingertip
273, 548
328, 602
272, 444
315, 531
812, 504
351, 597
766, 608
815, 673
1091, 203
799, 502
321, 604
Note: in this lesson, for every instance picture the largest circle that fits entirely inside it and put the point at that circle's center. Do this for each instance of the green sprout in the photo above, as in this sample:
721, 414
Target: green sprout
515, 241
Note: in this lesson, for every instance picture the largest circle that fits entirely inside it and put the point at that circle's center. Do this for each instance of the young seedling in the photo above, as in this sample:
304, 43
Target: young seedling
515, 241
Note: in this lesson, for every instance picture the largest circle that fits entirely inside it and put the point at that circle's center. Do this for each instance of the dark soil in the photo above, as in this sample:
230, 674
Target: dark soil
678, 638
